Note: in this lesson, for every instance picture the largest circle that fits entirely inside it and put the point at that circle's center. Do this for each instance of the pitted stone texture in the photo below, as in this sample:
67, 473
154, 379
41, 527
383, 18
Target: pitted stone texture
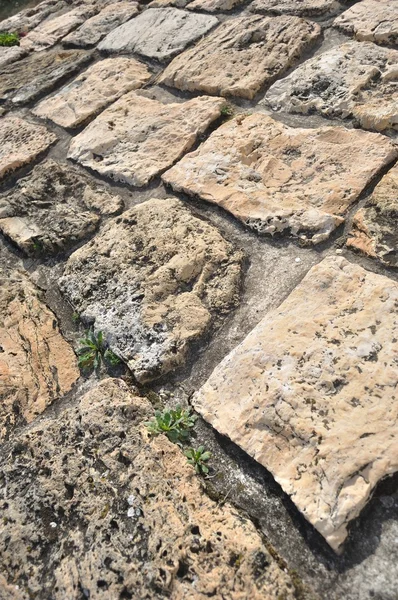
311, 393
137, 138
241, 56
153, 280
301, 8
36, 364
50, 32
93, 30
375, 227
28, 19
158, 33
118, 498
371, 20
102, 83
354, 79
207, 5
47, 211
10, 54
36, 74
21, 143
278, 179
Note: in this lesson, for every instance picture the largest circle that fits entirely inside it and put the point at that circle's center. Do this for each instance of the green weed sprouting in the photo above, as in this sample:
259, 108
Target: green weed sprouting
175, 423
9, 39
198, 459
93, 352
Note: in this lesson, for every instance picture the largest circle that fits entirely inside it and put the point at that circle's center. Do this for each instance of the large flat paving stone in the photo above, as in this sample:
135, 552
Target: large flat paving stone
10, 54
98, 26
352, 80
158, 33
206, 5
100, 85
51, 209
371, 20
93, 482
303, 8
36, 364
137, 138
27, 19
241, 55
27, 79
278, 179
311, 393
153, 280
374, 229
21, 143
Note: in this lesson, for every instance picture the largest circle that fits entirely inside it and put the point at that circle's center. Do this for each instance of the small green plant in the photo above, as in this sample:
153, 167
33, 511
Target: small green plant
176, 424
9, 39
198, 459
93, 352
226, 111
76, 317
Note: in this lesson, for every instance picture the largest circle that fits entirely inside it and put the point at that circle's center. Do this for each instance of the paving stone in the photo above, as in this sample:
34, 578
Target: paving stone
26, 20
37, 74
102, 83
153, 280
36, 364
122, 497
353, 80
311, 393
241, 56
10, 54
375, 229
21, 143
137, 138
207, 5
371, 20
48, 211
93, 30
292, 7
277, 179
158, 33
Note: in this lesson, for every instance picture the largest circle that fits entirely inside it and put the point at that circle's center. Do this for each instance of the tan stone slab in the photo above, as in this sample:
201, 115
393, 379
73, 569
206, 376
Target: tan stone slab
36, 364
311, 393
26, 20
100, 85
93, 30
10, 54
352, 80
153, 280
207, 5
301, 8
375, 228
137, 138
21, 143
277, 179
371, 20
241, 55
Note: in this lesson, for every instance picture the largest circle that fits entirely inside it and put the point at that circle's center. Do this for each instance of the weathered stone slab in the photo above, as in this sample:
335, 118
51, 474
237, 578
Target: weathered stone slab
93, 30
36, 364
375, 228
153, 280
122, 498
354, 79
158, 33
371, 20
311, 393
102, 83
241, 56
10, 54
28, 19
36, 74
280, 179
47, 212
303, 8
21, 143
137, 138
207, 5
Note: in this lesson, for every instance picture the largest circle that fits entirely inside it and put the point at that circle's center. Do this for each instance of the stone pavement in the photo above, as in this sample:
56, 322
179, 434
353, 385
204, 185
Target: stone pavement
213, 185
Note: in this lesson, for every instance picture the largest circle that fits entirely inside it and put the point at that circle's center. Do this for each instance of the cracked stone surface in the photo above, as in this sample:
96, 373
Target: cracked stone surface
311, 393
375, 229
21, 143
301, 8
137, 138
25, 80
371, 20
36, 364
100, 85
10, 54
277, 179
28, 19
353, 80
94, 29
158, 33
153, 280
113, 493
207, 5
49, 210
241, 55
